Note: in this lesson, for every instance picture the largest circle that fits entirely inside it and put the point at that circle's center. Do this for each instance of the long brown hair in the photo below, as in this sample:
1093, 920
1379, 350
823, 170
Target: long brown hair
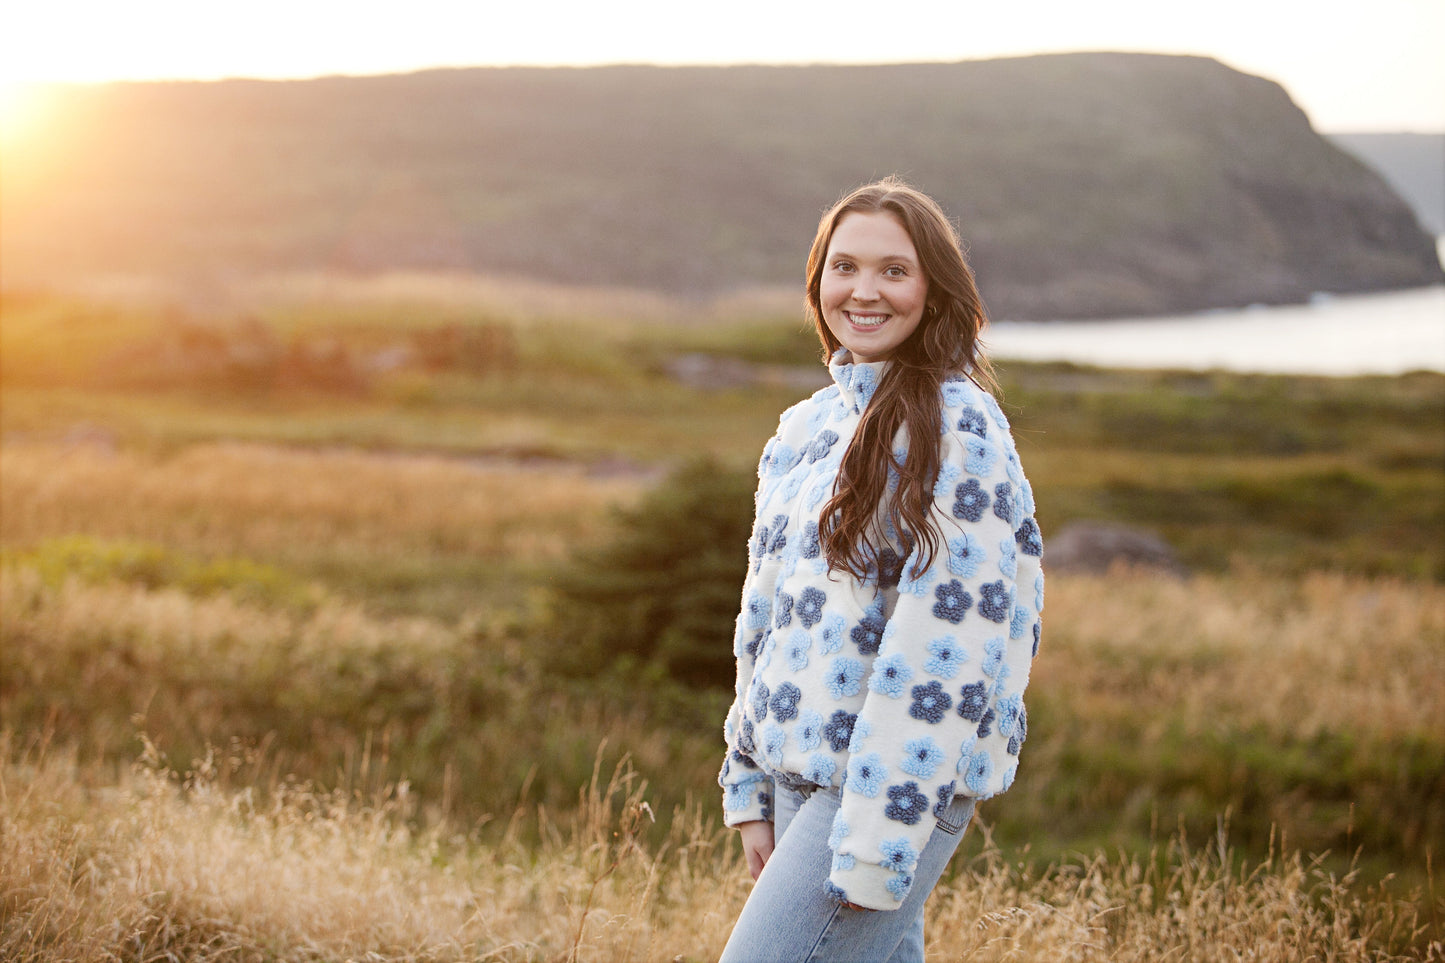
944, 343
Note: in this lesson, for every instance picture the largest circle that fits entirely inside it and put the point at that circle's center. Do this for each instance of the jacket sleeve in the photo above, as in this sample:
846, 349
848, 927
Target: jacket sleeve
944, 712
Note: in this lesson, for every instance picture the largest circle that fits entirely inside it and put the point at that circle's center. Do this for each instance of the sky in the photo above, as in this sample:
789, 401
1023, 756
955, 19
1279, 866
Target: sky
1353, 65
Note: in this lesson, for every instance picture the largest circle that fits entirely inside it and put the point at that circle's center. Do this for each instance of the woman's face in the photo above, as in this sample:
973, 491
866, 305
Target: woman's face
873, 290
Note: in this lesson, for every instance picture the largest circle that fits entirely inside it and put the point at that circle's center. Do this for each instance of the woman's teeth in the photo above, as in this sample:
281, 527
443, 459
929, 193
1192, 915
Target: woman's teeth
867, 320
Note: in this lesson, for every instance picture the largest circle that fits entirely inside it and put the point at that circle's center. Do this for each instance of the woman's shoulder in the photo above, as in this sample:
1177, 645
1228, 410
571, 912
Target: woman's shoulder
969, 408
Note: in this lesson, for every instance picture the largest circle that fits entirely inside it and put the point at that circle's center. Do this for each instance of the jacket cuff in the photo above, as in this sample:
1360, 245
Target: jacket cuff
747, 801
869, 884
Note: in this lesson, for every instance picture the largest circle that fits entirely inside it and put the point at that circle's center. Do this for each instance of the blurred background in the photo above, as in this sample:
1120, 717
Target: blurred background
380, 395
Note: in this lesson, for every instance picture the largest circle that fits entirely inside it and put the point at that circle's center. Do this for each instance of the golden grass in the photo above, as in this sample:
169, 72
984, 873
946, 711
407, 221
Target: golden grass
277, 503
161, 867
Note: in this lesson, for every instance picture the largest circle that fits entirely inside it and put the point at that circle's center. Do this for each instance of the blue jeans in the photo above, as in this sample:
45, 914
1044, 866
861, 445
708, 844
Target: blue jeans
789, 917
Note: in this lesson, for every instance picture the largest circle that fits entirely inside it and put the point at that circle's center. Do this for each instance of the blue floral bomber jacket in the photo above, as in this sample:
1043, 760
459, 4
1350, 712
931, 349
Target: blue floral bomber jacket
901, 693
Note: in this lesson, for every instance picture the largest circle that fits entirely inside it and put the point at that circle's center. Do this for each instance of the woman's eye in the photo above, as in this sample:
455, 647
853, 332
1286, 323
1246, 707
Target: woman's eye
896, 271
842, 265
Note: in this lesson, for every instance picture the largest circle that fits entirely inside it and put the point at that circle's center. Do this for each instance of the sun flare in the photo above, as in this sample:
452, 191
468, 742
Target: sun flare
23, 109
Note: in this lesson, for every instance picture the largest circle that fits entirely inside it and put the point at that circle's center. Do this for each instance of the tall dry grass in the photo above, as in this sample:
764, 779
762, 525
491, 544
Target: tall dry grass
166, 867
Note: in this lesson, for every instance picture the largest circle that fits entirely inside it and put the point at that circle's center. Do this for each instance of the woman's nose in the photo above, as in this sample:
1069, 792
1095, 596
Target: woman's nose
865, 289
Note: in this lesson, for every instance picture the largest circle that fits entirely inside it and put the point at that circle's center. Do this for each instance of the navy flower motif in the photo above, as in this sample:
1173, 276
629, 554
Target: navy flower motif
745, 737
952, 602
742, 760
945, 799
973, 421
866, 775
1038, 633
1003, 505
1021, 731
810, 606
969, 501
995, 602
890, 567
755, 645
930, 702
944, 658
980, 768
906, 804
760, 700
898, 854
811, 547
972, 701
839, 730
783, 610
922, 757
845, 677
775, 537
785, 702
985, 726
765, 799
1029, 539
868, 633
819, 446
965, 555
819, 769
889, 675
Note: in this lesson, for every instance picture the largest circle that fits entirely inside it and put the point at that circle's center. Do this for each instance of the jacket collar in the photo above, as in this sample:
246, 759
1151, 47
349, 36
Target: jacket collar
856, 380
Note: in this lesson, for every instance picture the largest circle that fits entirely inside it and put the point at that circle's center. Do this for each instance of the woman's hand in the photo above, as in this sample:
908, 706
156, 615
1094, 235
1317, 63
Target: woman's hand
757, 844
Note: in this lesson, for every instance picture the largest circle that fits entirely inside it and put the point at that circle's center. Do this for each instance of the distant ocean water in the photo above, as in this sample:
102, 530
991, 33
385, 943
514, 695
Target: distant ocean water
1387, 333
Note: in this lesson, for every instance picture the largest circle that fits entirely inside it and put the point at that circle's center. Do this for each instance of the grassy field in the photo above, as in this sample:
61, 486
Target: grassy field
304, 630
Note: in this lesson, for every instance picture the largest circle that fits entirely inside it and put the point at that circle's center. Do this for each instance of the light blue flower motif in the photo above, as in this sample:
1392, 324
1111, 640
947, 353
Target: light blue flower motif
809, 731
955, 393
1008, 775
1018, 624
833, 629
947, 477
820, 769
1008, 558
1007, 712
994, 411
782, 459
898, 854
973, 421
818, 492
789, 566
980, 769
793, 485
820, 413
922, 757
839, 832
944, 657
866, 775
965, 753
760, 610
845, 677
1039, 593
993, 652
979, 456
865, 382
1000, 682
844, 861
1026, 493
965, 554
860, 732
834, 892
773, 739
918, 588
1012, 466
819, 447
739, 795
899, 886
797, 651
889, 675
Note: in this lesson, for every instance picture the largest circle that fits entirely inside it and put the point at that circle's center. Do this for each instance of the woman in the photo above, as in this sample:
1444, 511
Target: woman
891, 605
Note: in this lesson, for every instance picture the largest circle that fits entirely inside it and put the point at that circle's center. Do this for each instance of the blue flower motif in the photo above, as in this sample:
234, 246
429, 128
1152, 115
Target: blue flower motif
839, 730
955, 393
995, 602
1039, 593
775, 540
930, 702
965, 555
865, 382
980, 768
760, 610
972, 420
746, 762
944, 657
782, 459
782, 609
947, 475
1021, 731
1038, 631
861, 732
906, 804
1003, 504
845, 677
898, 854
844, 861
819, 446
899, 885
809, 731
979, 456
820, 769
993, 653
1026, 492
1029, 539
773, 739
839, 831
1007, 713
785, 702
890, 567
1008, 559
738, 796
818, 492
820, 412
811, 547
922, 757
972, 701
952, 602
834, 892
969, 501
889, 674
810, 606
908, 585
760, 698
866, 775
793, 485
985, 725
797, 651
1018, 622
833, 634
745, 737
945, 799
868, 633
994, 411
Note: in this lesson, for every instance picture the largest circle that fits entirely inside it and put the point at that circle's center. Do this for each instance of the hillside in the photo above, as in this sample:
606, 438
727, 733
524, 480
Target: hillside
1413, 164
1086, 184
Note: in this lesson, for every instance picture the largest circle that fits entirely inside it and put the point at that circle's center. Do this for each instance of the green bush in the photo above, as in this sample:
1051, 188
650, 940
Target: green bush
662, 596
